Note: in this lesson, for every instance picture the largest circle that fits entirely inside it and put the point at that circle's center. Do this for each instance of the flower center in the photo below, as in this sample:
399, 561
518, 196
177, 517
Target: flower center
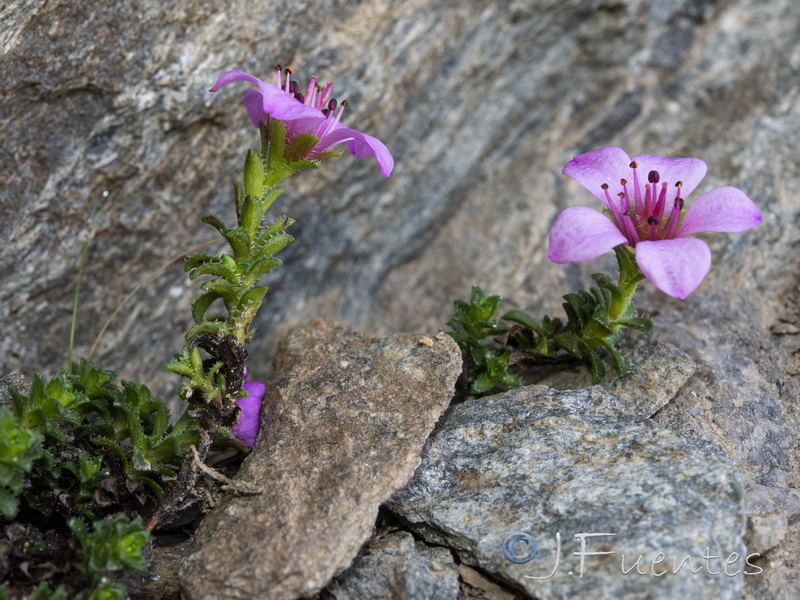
642, 216
316, 96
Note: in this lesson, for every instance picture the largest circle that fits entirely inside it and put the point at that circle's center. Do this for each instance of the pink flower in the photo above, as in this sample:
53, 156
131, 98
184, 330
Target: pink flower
249, 423
314, 111
644, 200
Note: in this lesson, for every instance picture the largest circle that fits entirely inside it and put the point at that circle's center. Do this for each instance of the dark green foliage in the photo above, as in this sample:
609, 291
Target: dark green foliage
19, 448
595, 320
472, 323
114, 545
72, 449
90, 424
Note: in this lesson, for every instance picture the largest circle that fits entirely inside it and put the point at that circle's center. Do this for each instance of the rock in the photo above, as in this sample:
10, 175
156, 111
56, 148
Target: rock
657, 372
548, 464
482, 104
394, 565
16, 379
344, 422
475, 585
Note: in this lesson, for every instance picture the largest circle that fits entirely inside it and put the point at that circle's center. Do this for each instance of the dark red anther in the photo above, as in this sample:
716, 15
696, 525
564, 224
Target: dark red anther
653, 177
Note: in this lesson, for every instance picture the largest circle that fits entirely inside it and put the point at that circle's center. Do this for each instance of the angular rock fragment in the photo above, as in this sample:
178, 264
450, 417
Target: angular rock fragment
553, 465
394, 565
344, 421
657, 373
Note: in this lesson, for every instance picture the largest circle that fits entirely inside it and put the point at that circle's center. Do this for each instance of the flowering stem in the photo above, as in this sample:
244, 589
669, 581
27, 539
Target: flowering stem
629, 277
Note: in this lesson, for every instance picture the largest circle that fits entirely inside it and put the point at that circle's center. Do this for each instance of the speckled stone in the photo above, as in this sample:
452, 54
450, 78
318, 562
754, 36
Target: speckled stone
544, 463
657, 372
393, 565
344, 420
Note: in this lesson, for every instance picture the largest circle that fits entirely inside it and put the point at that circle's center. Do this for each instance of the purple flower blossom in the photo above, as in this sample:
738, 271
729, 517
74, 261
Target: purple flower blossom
246, 429
644, 200
314, 111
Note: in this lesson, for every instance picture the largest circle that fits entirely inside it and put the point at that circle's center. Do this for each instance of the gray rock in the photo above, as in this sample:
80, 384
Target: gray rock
482, 104
16, 379
394, 565
550, 463
657, 372
344, 422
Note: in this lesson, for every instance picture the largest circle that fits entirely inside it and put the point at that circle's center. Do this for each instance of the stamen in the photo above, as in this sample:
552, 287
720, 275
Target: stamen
637, 191
653, 177
613, 207
278, 70
674, 218
288, 72
624, 183
634, 235
332, 104
312, 85
653, 221
624, 205
299, 97
326, 95
678, 185
294, 88
648, 200
662, 201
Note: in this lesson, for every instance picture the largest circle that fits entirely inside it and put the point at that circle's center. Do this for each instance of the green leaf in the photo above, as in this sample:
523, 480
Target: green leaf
641, 323
253, 210
267, 245
524, 319
225, 266
196, 260
254, 173
114, 545
215, 222
212, 327
200, 306
239, 241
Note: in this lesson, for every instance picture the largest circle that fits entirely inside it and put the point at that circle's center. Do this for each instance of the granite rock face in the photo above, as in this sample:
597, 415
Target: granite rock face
344, 422
560, 465
482, 104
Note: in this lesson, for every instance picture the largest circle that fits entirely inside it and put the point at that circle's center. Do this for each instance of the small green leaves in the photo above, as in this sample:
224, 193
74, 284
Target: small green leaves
595, 321
472, 323
19, 448
114, 545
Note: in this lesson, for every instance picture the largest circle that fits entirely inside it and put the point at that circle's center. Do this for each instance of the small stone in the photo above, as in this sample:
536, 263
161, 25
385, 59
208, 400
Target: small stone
335, 443
394, 565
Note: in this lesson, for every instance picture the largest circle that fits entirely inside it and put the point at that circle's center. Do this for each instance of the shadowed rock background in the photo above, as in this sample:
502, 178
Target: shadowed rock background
481, 104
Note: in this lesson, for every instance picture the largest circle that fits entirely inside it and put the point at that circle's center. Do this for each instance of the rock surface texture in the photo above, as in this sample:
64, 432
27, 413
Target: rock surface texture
345, 420
555, 465
482, 104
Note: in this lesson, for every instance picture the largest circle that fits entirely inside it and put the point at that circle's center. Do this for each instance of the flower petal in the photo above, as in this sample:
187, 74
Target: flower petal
254, 103
593, 169
725, 209
233, 76
360, 145
274, 101
582, 233
677, 266
689, 171
250, 416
